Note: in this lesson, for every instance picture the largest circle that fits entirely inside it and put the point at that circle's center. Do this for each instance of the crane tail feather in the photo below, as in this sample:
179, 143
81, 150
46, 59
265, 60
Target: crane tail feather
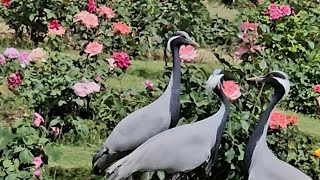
103, 159
115, 169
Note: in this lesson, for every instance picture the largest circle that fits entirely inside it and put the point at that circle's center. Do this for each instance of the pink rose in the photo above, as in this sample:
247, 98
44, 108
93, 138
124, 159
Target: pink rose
24, 59
93, 48
231, 90
247, 25
275, 15
92, 5
85, 88
15, 79
286, 10
2, 60
11, 53
148, 84
253, 26
273, 7
38, 119
106, 12
121, 60
256, 48
54, 24
37, 161
120, 27
91, 21
37, 173
94, 87
278, 119
245, 37
242, 49
244, 26
81, 89
317, 88
80, 17
187, 53
37, 55
57, 31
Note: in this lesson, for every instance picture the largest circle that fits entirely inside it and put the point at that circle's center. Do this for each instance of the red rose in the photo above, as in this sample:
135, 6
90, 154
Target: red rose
317, 88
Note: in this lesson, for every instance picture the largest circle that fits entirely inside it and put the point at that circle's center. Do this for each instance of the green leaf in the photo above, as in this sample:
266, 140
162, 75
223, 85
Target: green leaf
276, 37
230, 155
60, 103
26, 156
43, 140
32, 17
185, 99
16, 163
263, 64
11, 177
52, 152
18, 149
311, 44
53, 122
7, 163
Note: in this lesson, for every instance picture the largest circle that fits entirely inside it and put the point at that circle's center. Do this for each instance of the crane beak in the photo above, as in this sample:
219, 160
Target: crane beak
257, 79
193, 43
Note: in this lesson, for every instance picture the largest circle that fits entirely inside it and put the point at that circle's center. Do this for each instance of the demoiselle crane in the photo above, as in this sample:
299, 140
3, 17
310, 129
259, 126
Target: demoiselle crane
259, 161
139, 126
180, 149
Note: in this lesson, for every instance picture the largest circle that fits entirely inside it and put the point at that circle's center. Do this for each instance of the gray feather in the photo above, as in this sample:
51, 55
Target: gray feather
173, 150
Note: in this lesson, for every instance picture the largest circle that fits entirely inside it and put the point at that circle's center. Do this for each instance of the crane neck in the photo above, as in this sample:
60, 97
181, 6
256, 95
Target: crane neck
174, 87
260, 132
225, 109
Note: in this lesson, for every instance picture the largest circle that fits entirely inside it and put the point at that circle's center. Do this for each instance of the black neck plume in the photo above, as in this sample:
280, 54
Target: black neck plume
175, 87
224, 103
261, 128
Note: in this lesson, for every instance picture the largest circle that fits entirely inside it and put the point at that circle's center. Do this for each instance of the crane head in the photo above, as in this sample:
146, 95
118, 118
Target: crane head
215, 79
276, 79
180, 38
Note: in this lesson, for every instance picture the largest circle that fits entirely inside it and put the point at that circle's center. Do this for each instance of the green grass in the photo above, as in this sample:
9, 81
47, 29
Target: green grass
146, 70
74, 157
307, 124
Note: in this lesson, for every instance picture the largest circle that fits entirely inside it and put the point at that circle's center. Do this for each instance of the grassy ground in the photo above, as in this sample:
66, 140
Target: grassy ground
146, 70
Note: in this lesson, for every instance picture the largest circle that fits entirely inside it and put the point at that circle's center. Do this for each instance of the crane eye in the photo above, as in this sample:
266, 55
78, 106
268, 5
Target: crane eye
270, 75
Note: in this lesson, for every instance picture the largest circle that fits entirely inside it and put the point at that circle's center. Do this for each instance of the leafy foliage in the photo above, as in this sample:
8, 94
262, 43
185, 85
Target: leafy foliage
20, 144
291, 44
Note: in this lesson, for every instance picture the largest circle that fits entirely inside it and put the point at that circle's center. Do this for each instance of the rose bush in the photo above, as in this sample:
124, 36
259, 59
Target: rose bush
25, 149
289, 44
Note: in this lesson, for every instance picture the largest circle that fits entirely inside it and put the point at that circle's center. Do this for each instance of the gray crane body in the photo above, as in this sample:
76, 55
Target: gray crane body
130, 134
139, 126
266, 166
180, 149
259, 161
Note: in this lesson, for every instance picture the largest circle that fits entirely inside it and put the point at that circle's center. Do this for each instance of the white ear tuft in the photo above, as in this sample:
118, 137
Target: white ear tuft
213, 82
285, 83
169, 43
